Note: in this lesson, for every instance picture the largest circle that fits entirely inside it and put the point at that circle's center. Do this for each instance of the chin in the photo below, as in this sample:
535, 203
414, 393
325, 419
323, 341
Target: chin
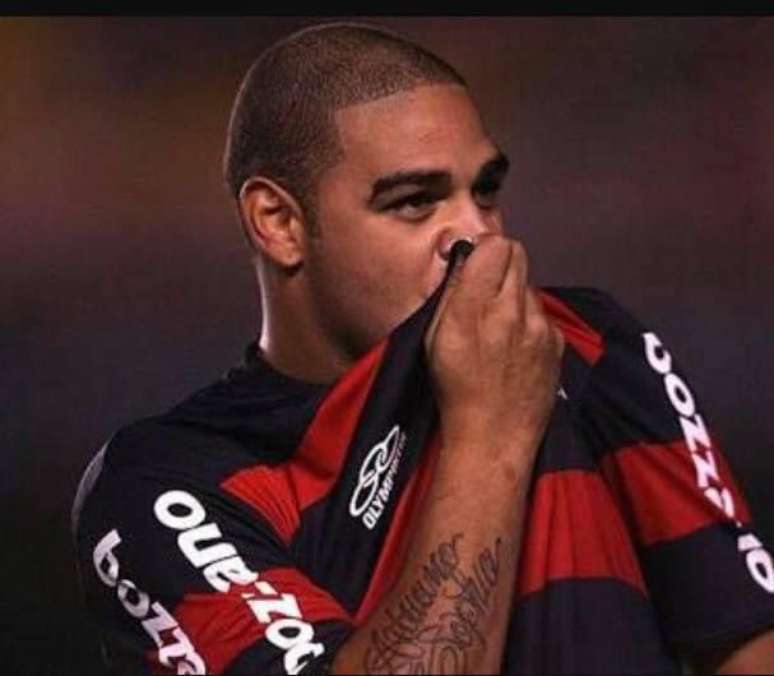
387, 325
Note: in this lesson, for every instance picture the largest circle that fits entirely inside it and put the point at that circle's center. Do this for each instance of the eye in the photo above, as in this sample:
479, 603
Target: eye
487, 194
413, 207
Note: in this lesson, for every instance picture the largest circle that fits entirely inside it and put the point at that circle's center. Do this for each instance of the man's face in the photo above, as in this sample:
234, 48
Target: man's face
418, 172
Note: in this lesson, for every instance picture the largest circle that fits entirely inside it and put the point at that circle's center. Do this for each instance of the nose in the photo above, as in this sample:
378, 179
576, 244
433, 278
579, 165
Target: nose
469, 226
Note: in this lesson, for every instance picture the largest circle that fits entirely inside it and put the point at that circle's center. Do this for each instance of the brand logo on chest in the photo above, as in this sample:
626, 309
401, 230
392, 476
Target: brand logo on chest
376, 478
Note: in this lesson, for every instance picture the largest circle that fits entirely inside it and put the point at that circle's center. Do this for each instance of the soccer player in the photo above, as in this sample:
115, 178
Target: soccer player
424, 464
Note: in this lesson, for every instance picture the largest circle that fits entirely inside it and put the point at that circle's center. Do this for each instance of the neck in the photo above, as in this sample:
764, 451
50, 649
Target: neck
292, 341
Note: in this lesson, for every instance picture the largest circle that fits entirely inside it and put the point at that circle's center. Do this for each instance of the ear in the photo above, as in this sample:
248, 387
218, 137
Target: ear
273, 221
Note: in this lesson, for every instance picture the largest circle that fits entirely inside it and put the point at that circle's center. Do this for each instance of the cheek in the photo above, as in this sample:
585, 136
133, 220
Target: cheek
369, 290
397, 271
378, 281
379, 263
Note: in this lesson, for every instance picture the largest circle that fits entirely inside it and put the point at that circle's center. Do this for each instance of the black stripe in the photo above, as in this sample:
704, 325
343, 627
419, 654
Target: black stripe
330, 541
586, 626
625, 402
702, 588
597, 308
562, 448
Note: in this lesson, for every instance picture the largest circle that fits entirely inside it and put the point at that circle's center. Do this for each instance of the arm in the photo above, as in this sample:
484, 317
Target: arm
495, 362
183, 578
753, 656
710, 577
449, 610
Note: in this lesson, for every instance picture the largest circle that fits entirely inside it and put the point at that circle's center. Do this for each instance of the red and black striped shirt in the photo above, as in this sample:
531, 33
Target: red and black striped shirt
255, 525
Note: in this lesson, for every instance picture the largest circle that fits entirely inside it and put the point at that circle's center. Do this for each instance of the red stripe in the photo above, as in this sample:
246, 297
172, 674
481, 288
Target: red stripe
396, 543
221, 625
574, 530
282, 492
656, 486
586, 341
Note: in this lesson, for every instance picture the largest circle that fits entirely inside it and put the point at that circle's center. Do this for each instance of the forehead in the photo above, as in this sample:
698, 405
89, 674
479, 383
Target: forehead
432, 126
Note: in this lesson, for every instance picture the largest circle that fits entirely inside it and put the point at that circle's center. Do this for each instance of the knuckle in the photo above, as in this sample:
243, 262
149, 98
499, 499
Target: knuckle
519, 253
506, 312
498, 328
518, 247
536, 316
538, 328
495, 339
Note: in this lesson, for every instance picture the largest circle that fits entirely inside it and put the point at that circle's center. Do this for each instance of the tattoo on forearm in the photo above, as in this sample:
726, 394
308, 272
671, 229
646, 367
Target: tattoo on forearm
410, 644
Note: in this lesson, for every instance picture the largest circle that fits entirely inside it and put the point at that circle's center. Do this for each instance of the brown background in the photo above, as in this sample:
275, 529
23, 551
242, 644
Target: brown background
642, 149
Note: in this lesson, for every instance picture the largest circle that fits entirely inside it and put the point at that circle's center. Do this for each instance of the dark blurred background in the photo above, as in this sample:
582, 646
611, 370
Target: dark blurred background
642, 149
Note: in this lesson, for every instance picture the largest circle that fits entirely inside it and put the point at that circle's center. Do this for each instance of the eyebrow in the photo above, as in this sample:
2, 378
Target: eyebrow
417, 177
496, 166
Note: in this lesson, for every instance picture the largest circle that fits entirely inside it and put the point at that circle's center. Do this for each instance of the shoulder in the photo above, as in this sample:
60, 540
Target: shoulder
589, 318
591, 308
152, 480
163, 445
248, 418
144, 455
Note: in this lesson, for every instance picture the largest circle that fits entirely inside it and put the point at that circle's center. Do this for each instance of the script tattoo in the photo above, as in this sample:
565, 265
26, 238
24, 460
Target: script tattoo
410, 644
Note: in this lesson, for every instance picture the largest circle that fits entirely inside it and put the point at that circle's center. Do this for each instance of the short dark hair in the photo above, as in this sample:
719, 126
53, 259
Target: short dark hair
282, 122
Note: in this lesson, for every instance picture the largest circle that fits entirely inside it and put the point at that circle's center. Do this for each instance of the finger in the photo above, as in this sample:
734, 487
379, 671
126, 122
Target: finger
485, 269
514, 286
534, 305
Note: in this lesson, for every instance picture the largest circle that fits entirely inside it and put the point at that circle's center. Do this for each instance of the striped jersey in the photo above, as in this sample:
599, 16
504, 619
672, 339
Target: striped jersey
254, 526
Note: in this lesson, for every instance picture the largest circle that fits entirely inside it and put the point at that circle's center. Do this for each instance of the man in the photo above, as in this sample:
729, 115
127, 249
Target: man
424, 465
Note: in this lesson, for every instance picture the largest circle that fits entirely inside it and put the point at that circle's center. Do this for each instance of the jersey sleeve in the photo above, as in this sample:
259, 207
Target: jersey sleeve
182, 578
710, 577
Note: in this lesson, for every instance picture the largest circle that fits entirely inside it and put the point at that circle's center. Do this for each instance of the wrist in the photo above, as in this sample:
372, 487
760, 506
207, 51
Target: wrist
489, 456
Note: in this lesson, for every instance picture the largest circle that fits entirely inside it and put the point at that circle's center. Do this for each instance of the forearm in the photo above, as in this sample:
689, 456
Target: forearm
754, 655
448, 612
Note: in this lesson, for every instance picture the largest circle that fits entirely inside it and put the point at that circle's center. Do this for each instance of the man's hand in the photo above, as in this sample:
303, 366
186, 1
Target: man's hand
494, 354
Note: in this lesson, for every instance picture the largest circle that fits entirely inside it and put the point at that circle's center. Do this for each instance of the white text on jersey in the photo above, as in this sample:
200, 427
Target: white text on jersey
222, 566
175, 649
758, 560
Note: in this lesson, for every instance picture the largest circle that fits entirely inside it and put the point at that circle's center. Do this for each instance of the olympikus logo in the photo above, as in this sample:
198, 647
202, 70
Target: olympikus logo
757, 559
372, 493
